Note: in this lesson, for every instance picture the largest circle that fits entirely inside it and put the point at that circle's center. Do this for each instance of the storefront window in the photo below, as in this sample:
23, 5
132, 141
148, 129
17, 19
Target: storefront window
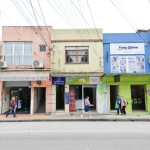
76, 102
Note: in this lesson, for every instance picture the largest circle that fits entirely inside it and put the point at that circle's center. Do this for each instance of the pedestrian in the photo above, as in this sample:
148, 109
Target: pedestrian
13, 106
117, 106
123, 105
119, 102
87, 107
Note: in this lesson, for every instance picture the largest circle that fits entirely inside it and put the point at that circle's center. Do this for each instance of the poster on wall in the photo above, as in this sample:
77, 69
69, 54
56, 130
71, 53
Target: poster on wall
131, 64
122, 64
127, 64
114, 64
140, 63
101, 98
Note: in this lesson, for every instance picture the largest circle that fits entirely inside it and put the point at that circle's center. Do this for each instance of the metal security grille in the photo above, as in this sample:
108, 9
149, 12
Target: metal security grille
18, 53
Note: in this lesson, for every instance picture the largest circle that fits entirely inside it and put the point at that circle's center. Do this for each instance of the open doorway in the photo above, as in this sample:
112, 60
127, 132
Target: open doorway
91, 92
114, 91
60, 89
138, 97
23, 99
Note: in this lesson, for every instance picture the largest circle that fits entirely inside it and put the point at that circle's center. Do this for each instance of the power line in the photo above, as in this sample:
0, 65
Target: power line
38, 23
25, 19
92, 18
44, 20
126, 19
81, 14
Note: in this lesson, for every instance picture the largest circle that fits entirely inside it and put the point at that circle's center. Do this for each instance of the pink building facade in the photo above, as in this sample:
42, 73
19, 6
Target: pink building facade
25, 69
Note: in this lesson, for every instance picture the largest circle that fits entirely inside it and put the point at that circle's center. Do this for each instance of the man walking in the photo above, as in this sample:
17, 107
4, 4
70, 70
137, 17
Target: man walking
119, 102
12, 107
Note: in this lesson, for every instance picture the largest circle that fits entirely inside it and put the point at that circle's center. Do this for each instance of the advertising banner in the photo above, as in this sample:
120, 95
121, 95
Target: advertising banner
82, 80
127, 64
127, 48
114, 64
66, 97
101, 98
122, 64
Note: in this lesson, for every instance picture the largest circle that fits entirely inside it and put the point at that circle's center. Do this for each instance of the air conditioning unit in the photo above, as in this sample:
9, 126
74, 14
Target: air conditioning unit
38, 64
3, 64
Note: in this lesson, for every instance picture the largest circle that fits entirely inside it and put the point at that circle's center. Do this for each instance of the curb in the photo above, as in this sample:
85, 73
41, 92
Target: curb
81, 120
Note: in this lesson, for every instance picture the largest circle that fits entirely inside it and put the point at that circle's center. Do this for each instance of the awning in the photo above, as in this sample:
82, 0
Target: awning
24, 76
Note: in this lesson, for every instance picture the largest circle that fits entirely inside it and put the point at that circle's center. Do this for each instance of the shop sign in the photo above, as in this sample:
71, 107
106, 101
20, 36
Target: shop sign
66, 97
82, 80
58, 80
127, 48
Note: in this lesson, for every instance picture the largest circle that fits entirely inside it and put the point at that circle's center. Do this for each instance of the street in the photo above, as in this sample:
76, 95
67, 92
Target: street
75, 135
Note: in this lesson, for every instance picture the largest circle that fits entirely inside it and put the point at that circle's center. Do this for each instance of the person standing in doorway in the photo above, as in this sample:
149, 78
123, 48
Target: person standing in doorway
119, 102
123, 105
12, 107
87, 107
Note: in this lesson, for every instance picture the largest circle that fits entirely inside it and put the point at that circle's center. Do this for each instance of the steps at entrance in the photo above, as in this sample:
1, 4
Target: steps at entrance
41, 108
59, 112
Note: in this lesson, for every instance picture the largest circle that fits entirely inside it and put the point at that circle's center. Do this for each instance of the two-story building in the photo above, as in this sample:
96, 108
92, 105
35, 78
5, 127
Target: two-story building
77, 70
127, 70
25, 68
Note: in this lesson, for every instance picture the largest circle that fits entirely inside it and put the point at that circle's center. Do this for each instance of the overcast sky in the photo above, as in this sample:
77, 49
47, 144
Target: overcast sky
114, 16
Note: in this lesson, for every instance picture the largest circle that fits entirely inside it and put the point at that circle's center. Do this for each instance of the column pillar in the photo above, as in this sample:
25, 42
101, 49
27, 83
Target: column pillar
66, 99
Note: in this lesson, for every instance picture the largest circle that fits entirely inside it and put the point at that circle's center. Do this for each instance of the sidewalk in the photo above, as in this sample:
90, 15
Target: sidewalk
74, 117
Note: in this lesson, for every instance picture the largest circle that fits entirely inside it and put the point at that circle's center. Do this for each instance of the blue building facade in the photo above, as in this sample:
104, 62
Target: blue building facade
127, 69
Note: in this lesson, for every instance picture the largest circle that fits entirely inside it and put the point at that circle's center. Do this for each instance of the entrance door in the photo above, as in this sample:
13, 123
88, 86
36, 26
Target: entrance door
138, 97
114, 91
90, 90
60, 90
23, 99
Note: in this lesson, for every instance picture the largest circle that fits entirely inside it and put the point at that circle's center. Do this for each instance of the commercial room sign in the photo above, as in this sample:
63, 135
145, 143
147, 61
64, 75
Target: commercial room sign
58, 80
82, 80
127, 48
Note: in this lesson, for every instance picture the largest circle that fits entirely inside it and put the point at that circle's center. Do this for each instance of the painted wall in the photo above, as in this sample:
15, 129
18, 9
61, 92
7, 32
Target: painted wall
125, 38
27, 34
5, 99
125, 87
58, 53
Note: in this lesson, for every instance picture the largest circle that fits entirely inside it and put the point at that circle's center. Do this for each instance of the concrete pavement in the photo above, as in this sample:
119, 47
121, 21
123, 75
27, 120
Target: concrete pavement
73, 117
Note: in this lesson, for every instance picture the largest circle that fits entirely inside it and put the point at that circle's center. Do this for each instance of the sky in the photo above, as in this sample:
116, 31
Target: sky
113, 16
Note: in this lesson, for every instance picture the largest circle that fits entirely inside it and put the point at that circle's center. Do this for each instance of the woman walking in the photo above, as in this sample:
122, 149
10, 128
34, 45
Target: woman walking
87, 107
12, 107
117, 107
123, 105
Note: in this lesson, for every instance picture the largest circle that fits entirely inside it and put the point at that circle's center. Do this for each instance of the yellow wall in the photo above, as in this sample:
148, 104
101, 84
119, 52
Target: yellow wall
95, 50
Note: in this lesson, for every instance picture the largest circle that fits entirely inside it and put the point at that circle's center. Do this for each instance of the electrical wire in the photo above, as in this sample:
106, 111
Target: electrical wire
38, 24
92, 18
44, 20
126, 19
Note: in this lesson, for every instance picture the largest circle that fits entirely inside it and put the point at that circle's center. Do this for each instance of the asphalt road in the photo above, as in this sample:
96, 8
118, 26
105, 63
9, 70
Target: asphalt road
75, 136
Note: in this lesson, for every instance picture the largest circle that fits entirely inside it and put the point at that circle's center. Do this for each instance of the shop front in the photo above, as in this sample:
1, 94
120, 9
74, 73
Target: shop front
135, 89
69, 93
23, 85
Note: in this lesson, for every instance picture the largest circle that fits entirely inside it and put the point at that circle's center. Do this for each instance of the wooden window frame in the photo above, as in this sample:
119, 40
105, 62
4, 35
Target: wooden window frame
76, 54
